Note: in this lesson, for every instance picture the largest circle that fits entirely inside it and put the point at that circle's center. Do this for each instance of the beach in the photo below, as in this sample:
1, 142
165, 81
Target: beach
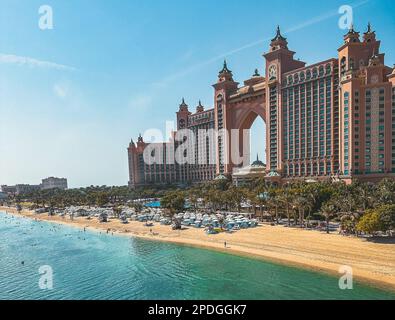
372, 262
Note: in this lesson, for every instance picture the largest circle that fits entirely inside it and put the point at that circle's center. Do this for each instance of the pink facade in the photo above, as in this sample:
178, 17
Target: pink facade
331, 120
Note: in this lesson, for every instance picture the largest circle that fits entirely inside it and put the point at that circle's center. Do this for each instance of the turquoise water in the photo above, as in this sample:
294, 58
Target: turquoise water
99, 266
154, 204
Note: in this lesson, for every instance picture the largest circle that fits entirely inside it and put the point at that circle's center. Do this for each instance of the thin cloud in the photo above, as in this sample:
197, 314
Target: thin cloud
61, 90
32, 63
323, 17
298, 27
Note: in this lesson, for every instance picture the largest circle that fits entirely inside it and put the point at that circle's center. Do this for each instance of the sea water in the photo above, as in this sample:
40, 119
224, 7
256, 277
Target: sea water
92, 265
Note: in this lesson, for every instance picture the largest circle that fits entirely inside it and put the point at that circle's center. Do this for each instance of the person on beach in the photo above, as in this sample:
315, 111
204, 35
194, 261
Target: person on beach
225, 244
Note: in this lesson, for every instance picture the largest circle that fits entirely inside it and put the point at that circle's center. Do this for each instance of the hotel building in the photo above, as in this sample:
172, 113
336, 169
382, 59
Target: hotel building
54, 183
333, 120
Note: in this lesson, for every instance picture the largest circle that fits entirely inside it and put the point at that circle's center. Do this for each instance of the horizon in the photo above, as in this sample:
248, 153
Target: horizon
70, 105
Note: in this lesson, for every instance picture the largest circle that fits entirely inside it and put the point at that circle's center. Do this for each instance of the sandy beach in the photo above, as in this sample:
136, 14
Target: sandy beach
372, 262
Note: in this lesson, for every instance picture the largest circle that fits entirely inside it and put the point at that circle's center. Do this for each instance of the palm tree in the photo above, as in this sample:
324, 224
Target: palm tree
274, 204
117, 211
386, 192
348, 213
236, 196
193, 198
286, 199
363, 194
328, 210
253, 198
301, 203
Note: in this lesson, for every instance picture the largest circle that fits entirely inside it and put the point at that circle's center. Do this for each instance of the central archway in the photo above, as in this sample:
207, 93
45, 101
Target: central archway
241, 115
258, 140
244, 125
236, 110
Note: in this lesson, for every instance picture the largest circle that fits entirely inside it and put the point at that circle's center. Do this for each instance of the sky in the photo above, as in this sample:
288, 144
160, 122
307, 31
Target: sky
72, 97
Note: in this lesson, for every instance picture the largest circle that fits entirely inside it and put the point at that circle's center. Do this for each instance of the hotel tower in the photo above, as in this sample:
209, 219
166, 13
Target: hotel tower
333, 120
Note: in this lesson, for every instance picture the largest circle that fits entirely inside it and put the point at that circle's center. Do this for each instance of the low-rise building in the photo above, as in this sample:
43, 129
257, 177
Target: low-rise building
26, 188
244, 176
8, 189
54, 183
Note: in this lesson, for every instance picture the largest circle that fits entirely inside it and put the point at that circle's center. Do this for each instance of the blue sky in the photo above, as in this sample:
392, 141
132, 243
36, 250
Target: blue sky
120, 67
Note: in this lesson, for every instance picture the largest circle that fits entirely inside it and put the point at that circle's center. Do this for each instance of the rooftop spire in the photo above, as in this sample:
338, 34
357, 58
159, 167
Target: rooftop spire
200, 107
183, 102
351, 36
369, 32
351, 30
369, 28
278, 35
256, 73
225, 68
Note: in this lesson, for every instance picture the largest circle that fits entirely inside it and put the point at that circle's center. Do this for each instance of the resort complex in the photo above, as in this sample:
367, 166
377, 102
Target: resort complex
333, 120
223, 210
46, 184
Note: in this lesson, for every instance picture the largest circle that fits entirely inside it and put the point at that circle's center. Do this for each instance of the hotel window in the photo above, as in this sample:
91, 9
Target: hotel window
343, 66
321, 71
273, 127
346, 125
351, 64
393, 130
315, 72
328, 69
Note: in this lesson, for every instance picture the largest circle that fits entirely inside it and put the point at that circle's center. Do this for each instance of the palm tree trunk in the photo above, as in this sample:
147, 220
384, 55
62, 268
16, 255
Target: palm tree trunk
276, 214
327, 225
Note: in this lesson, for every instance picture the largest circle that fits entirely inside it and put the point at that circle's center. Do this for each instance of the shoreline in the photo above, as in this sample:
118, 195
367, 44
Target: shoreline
373, 263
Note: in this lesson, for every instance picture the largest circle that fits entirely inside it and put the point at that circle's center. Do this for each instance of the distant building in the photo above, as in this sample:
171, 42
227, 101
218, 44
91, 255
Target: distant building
3, 196
8, 189
47, 184
19, 189
26, 188
54, 183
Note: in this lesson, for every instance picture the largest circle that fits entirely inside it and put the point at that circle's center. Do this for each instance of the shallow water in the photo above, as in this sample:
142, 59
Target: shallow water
93, 265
